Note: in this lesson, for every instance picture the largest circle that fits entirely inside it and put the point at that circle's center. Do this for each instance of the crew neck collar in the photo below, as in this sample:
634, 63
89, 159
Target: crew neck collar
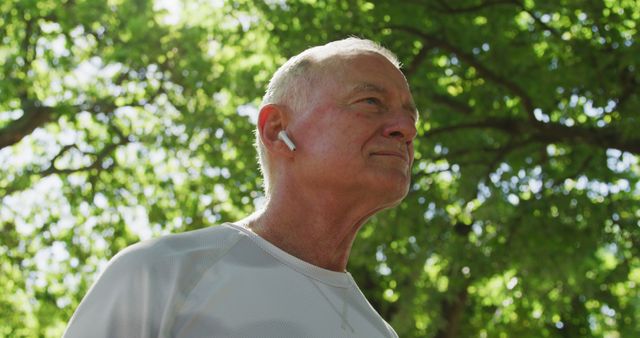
333, 278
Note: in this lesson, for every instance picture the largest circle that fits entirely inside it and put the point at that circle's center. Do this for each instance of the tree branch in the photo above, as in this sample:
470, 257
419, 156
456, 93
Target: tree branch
452, 103
484, 71
445, 8
97, 164
606, 137
417, 60
452, 311
26, 45
506, 125
33, 117
629, 87
583, 166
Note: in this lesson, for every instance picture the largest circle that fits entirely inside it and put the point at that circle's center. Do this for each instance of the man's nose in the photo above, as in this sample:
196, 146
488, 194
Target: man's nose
401, 127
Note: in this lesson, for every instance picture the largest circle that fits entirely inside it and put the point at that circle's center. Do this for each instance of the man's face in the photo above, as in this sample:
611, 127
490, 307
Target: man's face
355, 132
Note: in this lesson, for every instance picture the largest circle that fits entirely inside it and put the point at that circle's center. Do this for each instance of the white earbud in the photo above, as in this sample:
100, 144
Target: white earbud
282, 135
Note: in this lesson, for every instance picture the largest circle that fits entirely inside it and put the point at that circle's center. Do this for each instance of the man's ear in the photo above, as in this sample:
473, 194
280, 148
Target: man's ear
271, 120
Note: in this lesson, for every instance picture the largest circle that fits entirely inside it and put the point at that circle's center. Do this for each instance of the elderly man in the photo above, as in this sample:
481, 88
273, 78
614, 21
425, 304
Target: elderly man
335, 136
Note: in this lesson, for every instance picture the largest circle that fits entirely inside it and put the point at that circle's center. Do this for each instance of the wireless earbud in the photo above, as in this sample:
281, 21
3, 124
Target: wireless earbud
282, 135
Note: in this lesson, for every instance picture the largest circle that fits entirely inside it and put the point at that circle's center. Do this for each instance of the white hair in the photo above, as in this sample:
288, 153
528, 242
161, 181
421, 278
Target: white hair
290, 82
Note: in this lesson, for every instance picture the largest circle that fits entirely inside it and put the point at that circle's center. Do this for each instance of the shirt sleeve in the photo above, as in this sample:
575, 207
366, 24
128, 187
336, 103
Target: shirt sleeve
121, 303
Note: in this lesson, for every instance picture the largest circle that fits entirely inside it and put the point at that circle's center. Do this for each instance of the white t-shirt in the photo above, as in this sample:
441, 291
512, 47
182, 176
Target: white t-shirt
221, 281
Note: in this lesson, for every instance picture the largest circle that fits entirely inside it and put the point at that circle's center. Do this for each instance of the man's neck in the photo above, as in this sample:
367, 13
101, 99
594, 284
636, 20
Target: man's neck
318, 233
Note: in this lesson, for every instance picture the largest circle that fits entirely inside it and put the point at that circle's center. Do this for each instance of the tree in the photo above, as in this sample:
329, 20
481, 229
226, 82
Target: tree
125, 120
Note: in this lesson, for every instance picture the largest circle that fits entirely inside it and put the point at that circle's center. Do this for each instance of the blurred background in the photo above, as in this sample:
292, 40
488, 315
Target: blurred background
123, 120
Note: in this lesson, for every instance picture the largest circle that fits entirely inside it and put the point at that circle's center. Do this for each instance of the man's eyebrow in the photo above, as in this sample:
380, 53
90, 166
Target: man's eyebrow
367, 87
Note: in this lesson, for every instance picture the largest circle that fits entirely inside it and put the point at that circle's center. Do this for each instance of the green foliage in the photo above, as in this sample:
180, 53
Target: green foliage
122, 120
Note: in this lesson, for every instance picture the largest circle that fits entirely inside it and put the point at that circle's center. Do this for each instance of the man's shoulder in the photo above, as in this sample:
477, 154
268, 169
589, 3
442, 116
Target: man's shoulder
148, 280
210, 243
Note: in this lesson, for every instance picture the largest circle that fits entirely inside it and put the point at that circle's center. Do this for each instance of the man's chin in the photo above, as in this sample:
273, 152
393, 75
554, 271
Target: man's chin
394, 194
391, 203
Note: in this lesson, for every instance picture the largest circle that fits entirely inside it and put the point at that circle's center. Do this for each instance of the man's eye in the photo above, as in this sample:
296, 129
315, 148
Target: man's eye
372, 100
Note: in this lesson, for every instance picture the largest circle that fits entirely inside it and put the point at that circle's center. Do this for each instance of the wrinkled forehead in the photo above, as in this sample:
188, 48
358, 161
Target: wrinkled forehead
335, 60
349, 69
329, 75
